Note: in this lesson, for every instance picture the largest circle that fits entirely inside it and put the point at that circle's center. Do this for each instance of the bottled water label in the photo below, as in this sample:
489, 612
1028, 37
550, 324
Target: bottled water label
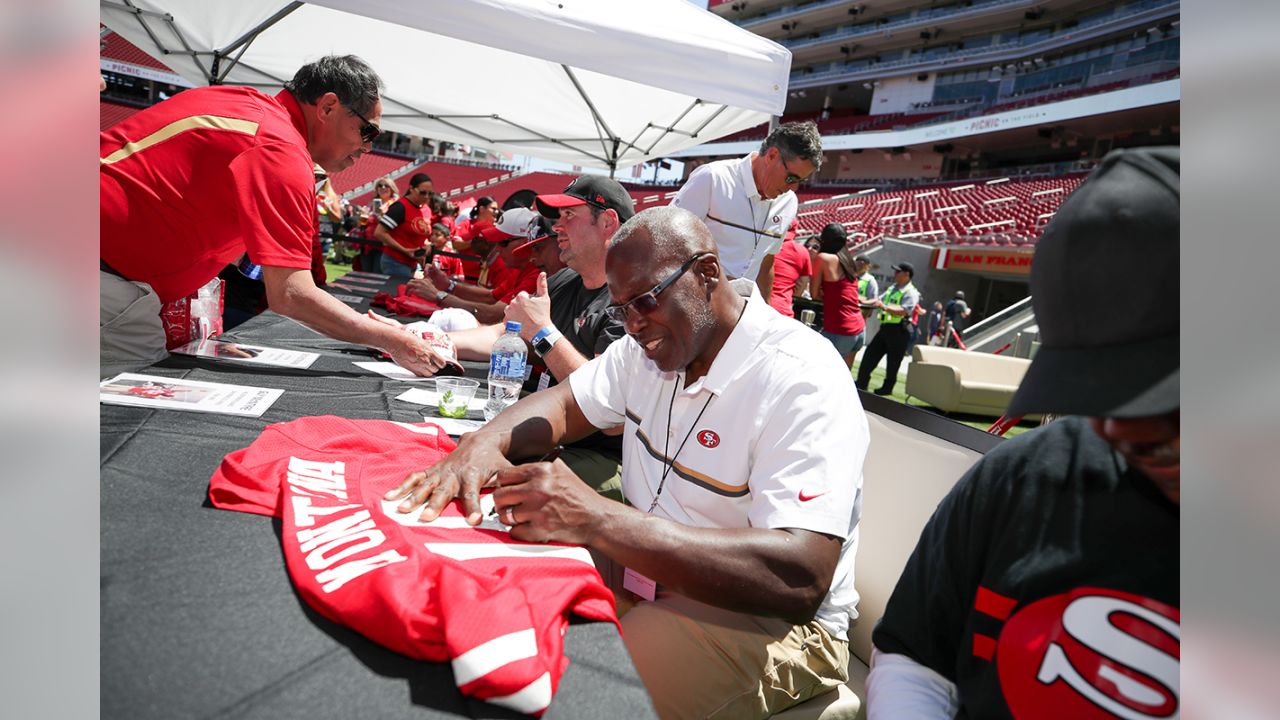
508, 365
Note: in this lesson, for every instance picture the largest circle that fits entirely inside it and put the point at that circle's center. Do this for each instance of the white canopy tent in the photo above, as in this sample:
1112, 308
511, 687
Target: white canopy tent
602, 83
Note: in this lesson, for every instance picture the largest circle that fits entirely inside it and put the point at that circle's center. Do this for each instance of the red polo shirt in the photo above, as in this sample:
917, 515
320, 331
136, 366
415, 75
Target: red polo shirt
190, 184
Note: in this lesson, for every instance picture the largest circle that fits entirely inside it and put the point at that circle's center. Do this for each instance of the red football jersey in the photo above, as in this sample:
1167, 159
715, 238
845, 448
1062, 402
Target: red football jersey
496, 608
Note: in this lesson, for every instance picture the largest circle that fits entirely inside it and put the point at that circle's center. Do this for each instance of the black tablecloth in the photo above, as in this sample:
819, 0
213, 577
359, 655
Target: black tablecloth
199, 618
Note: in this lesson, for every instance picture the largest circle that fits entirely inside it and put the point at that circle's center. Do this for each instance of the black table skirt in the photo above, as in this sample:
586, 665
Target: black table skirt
199, 618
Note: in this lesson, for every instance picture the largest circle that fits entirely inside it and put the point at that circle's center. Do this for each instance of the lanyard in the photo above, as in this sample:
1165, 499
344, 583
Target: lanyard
669, 462
666, 443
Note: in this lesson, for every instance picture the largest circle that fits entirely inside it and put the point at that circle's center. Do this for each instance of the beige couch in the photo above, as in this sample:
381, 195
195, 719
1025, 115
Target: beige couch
906, 474
961, 381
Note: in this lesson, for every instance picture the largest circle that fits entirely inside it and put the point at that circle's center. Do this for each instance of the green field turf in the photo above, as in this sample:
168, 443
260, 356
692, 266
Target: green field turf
981, 422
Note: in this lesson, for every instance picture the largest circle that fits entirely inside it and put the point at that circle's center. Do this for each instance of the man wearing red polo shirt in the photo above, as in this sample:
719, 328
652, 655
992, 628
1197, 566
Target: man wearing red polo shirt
195, 182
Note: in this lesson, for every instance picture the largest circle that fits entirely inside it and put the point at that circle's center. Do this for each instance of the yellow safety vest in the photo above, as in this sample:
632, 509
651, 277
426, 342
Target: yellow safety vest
894, 297
863, 283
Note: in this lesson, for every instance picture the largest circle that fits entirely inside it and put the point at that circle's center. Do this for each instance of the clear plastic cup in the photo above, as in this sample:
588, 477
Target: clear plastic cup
455, 395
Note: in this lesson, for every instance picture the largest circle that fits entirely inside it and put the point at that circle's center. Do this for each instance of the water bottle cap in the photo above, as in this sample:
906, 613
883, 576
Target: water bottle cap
513, 326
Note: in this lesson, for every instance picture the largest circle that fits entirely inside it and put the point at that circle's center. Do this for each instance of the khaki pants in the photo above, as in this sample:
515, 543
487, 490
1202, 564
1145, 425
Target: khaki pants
130, 333
601, 472
698, 661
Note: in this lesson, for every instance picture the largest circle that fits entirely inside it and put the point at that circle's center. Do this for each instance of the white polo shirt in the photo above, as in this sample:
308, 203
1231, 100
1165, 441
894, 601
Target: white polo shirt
780, 442
725, 190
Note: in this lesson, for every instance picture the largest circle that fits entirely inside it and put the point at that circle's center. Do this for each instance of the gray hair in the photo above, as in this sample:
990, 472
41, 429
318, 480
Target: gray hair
357, 86
796, 140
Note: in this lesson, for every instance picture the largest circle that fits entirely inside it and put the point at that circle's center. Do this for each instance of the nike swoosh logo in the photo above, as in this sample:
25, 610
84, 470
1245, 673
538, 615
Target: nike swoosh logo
806, 497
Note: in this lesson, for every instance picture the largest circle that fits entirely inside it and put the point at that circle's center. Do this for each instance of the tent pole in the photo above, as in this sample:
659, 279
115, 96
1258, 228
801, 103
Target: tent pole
595, 114
242, 43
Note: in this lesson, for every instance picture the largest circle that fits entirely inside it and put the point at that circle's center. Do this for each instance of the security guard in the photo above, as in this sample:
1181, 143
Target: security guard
893, 338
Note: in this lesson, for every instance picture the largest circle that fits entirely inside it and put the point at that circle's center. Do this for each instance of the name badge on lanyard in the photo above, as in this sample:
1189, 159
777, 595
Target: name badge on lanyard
639, 584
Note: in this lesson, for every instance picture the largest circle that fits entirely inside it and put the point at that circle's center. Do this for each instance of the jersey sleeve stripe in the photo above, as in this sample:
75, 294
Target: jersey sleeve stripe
489, 656
177, 127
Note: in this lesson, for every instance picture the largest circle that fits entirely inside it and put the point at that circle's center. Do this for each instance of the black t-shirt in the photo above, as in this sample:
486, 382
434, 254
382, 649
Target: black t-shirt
955, 310
579, 313
1046, 585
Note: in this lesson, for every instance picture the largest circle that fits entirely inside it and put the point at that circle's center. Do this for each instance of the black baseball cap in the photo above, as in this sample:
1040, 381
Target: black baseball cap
905, 267
594, 190
1118, 232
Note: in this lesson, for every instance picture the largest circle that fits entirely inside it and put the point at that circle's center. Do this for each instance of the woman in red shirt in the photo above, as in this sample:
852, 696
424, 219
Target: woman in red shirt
837, 286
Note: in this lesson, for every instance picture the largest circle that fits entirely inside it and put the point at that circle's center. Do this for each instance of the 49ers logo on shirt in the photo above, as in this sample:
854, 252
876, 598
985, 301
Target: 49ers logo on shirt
1091, 653
708, 438
420, 226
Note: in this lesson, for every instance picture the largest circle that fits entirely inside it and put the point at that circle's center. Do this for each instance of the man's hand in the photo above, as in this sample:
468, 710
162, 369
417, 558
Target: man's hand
416, 356
533, 312
423, 288
460, 474
438, 278
547, 502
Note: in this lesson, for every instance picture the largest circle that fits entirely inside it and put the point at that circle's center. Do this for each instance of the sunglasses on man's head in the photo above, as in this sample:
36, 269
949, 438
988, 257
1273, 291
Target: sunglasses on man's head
368, 131
646, 303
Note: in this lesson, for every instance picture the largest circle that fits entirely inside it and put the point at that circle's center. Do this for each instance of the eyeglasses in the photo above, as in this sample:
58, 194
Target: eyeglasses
791, 178
368, 131
646, 303
385, 187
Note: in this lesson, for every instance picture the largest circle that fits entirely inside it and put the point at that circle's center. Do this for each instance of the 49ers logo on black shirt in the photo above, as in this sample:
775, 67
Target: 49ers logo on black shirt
1091, 653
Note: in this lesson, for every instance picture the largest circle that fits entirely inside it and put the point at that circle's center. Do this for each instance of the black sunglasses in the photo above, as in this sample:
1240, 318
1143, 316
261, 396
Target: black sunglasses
368, 131
791, 178
646, 303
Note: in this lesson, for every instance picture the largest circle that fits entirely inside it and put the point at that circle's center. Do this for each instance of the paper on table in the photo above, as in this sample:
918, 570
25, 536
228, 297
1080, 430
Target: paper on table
360, 279
349, 298
429, 396
389, 369
181, 394
240, 352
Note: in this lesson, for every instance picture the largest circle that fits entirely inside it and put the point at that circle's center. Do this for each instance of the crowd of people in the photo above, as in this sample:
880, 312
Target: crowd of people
711, 447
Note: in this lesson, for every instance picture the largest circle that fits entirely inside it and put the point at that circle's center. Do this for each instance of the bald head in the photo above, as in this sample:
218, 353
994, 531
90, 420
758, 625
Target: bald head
663, 235
668, 256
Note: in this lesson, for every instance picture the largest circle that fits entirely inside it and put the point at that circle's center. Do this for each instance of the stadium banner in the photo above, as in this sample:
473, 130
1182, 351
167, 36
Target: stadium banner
146, 73
971, 259
1169, 91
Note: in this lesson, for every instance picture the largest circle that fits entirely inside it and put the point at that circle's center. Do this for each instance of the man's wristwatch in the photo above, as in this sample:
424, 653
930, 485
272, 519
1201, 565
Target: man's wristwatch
545, 340
441, 295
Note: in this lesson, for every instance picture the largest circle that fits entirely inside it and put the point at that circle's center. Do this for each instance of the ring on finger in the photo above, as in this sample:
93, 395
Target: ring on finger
511, 514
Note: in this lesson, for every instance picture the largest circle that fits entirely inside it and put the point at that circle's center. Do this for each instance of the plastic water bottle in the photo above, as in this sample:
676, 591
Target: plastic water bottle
506, 371
206, 311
